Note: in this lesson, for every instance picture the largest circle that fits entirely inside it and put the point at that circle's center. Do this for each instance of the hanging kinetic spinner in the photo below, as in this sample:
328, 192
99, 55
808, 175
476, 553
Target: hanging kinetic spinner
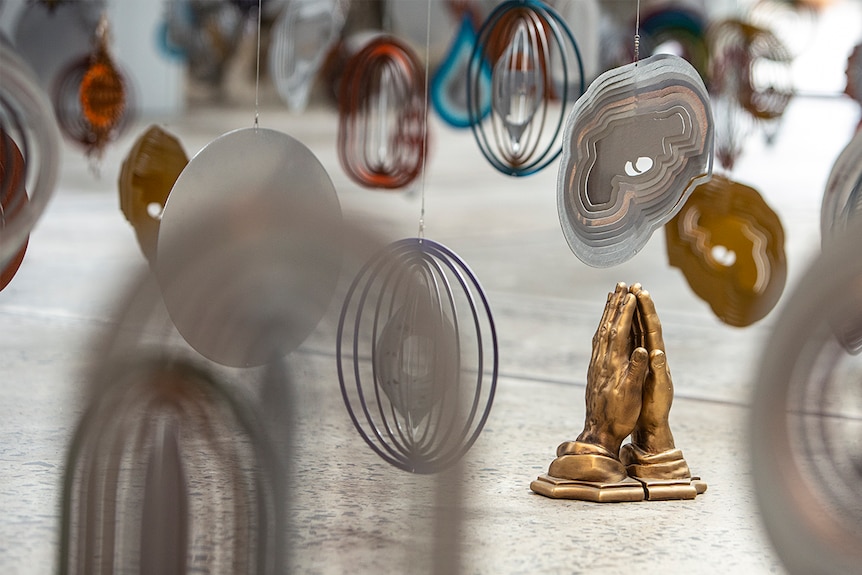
302, 37
382, 140
754, 62
29, 158
636, 144
169, 473
92, 98
146, 178
523, 42
842, 198
449, 83
853, 73
839, 215
750, 84
729, 245
250, 191
417, 374
806, 417
793, 22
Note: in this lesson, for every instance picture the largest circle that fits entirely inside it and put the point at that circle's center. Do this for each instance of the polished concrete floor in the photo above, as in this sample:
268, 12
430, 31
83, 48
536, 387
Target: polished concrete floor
350, 511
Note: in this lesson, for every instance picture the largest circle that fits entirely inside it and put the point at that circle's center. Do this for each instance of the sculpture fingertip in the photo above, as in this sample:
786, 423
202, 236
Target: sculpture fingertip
638, 366
658, 359
638, 359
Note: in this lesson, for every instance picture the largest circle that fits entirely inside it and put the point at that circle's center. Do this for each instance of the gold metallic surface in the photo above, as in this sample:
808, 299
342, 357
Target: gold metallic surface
629, 489
556, 488
148, 174
629, 392
729, 244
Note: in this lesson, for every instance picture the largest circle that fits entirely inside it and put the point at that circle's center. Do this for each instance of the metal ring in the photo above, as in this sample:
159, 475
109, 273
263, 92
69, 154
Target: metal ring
382, 134
26, 117
532, 36
417, 378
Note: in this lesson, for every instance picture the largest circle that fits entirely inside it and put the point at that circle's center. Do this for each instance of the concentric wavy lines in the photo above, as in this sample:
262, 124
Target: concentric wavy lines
653, 113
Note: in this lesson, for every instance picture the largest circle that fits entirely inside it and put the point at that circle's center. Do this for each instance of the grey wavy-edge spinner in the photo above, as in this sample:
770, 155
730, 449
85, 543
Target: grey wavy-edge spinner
303, 35
636, 144
842, 198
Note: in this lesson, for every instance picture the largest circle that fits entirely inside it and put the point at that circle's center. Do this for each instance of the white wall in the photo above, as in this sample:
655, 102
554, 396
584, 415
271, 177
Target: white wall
158, 80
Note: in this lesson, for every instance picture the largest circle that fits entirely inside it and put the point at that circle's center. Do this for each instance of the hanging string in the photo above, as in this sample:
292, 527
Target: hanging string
637, 32
425, 122
257, 70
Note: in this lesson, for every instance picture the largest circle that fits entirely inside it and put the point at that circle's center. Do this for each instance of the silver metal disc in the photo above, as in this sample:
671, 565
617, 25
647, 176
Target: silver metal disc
249, 247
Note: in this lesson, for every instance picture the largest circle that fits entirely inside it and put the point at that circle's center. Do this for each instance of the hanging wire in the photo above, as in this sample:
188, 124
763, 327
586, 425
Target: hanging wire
421, 234
637, 32
257, 70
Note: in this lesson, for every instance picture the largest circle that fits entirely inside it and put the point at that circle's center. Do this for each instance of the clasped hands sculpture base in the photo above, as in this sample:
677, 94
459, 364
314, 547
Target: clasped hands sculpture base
629, 392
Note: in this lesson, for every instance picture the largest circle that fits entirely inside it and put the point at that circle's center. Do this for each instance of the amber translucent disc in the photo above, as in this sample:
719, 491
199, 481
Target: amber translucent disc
149, 171
102, 95
92, 100
729, 244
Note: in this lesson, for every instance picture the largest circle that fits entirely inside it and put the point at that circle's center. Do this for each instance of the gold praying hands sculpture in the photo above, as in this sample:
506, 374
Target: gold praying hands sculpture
629, 392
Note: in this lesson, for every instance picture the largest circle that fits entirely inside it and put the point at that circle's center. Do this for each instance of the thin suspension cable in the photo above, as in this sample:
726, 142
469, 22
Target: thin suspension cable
257, 70
425, 121
637, 31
